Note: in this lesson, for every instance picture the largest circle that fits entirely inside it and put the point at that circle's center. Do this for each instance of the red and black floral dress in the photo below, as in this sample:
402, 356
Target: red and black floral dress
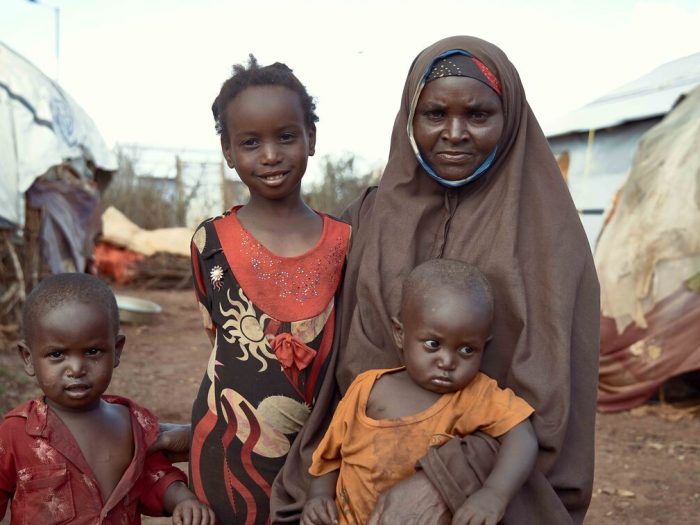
273, 318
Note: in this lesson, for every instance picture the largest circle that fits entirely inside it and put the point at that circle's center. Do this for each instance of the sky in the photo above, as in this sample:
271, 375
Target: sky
147, 71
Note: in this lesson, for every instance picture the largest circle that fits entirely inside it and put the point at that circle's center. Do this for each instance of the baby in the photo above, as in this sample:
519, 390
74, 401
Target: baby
75, 455
389, 418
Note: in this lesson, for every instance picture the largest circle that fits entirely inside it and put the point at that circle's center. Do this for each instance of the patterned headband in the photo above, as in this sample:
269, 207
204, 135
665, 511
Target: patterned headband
461, 65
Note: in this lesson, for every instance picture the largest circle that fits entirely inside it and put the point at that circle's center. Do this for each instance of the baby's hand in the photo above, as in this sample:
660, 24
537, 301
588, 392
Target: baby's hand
319, 511
193, 512
484, 507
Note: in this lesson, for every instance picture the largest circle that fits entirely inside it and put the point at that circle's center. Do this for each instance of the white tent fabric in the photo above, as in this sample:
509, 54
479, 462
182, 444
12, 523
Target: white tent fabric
40, 126
652, 242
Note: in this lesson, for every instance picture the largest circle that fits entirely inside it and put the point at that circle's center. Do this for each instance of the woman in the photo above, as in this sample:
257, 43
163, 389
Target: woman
470, 176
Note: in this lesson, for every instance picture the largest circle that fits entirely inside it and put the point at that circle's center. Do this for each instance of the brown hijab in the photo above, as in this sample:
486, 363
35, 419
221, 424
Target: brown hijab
518, 224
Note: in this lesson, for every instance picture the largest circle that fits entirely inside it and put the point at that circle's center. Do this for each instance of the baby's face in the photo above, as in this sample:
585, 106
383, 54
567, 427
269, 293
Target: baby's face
72, 351
443, 336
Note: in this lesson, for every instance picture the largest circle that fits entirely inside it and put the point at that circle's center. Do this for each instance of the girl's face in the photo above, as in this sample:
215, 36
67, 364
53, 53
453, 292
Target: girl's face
442, 337
457, 123
269, 141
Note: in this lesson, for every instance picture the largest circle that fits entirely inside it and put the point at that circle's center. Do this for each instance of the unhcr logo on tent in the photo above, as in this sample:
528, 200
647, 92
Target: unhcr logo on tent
64, 124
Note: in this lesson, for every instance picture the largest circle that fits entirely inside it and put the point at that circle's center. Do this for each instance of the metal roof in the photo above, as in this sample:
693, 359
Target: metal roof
649, 96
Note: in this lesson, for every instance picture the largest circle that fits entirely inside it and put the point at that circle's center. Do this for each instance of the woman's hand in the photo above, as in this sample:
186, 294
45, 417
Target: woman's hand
413, 501
173, 440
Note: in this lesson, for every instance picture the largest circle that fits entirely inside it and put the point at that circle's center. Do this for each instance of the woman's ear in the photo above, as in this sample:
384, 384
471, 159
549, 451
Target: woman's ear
26, 355
397, 332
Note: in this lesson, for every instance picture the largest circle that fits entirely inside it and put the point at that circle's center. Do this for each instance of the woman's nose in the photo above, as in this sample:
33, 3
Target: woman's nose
455, 130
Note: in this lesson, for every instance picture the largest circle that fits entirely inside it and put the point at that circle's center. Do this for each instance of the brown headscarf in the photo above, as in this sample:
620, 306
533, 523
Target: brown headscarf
518, 224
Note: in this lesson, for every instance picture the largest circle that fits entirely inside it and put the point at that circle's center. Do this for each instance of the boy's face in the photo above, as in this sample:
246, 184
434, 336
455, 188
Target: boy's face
442, 337
72, 352
269, 141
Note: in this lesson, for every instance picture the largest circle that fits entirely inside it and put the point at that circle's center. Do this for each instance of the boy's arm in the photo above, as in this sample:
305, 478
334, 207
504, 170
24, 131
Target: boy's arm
515, 461
185, 507
320, 506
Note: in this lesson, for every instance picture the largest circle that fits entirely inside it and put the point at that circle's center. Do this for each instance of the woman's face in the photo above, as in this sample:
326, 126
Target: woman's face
457, 123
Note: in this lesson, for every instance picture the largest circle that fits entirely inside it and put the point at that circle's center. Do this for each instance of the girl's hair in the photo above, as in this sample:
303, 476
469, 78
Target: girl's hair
277, 74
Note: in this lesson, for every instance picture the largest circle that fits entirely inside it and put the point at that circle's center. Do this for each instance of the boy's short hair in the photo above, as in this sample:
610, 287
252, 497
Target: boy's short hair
68, 287
458, 275
277, 74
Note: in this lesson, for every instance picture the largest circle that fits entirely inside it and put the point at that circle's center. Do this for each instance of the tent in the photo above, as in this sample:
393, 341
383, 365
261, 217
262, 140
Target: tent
596, 143
51, 157
648, 262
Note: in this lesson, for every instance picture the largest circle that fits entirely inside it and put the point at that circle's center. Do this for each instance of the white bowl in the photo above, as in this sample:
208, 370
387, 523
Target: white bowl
137, 311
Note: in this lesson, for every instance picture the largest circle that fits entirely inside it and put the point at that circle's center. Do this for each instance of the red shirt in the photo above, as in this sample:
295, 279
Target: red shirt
45, 474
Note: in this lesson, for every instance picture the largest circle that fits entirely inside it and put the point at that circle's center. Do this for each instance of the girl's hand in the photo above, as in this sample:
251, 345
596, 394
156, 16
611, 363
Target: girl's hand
319, 511
193, 512
413, 501
484, 507
173, 440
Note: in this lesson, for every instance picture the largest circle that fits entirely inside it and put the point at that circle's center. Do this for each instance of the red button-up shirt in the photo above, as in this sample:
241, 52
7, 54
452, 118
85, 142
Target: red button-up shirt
44, 473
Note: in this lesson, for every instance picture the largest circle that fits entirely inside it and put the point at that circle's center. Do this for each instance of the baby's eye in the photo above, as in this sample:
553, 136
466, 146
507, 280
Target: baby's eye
54, 356
466, 350
93, 352
431, 344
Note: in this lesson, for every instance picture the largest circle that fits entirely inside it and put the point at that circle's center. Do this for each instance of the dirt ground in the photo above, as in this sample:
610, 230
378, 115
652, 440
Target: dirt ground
647, 467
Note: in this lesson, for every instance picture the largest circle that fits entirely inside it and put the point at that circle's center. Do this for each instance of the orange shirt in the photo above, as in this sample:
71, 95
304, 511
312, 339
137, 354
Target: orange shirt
373, 455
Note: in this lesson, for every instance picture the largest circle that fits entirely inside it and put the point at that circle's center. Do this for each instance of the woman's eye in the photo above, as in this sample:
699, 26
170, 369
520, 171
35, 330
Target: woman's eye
431, 344
435, 114
466, 350
479, 116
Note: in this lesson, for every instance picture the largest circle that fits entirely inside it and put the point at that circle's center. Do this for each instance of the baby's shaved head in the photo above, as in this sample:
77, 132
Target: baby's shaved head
456, 275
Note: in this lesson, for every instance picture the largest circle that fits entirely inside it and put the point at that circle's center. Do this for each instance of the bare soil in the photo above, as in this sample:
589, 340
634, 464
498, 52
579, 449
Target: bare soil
647, 467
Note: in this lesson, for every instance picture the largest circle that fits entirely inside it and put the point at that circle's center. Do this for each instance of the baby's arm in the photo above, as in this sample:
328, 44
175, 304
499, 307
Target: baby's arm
515, 461
185, 508
320, 506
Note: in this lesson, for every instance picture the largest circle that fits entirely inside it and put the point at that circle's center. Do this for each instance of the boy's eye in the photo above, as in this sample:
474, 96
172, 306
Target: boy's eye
431, 344
466, 350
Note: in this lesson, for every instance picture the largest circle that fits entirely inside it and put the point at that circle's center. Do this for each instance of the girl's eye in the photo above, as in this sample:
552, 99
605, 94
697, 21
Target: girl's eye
466, 350
431, 344
249, 143
287, 137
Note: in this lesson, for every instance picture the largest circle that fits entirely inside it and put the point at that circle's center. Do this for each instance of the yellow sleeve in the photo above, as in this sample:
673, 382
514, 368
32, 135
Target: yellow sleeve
328, 455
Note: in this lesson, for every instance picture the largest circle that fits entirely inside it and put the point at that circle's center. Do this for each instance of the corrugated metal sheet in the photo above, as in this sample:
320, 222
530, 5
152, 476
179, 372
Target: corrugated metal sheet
649, 96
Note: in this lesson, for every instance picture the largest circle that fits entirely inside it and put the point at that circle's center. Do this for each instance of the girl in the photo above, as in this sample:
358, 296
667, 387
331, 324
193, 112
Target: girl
265, 277
471, 177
